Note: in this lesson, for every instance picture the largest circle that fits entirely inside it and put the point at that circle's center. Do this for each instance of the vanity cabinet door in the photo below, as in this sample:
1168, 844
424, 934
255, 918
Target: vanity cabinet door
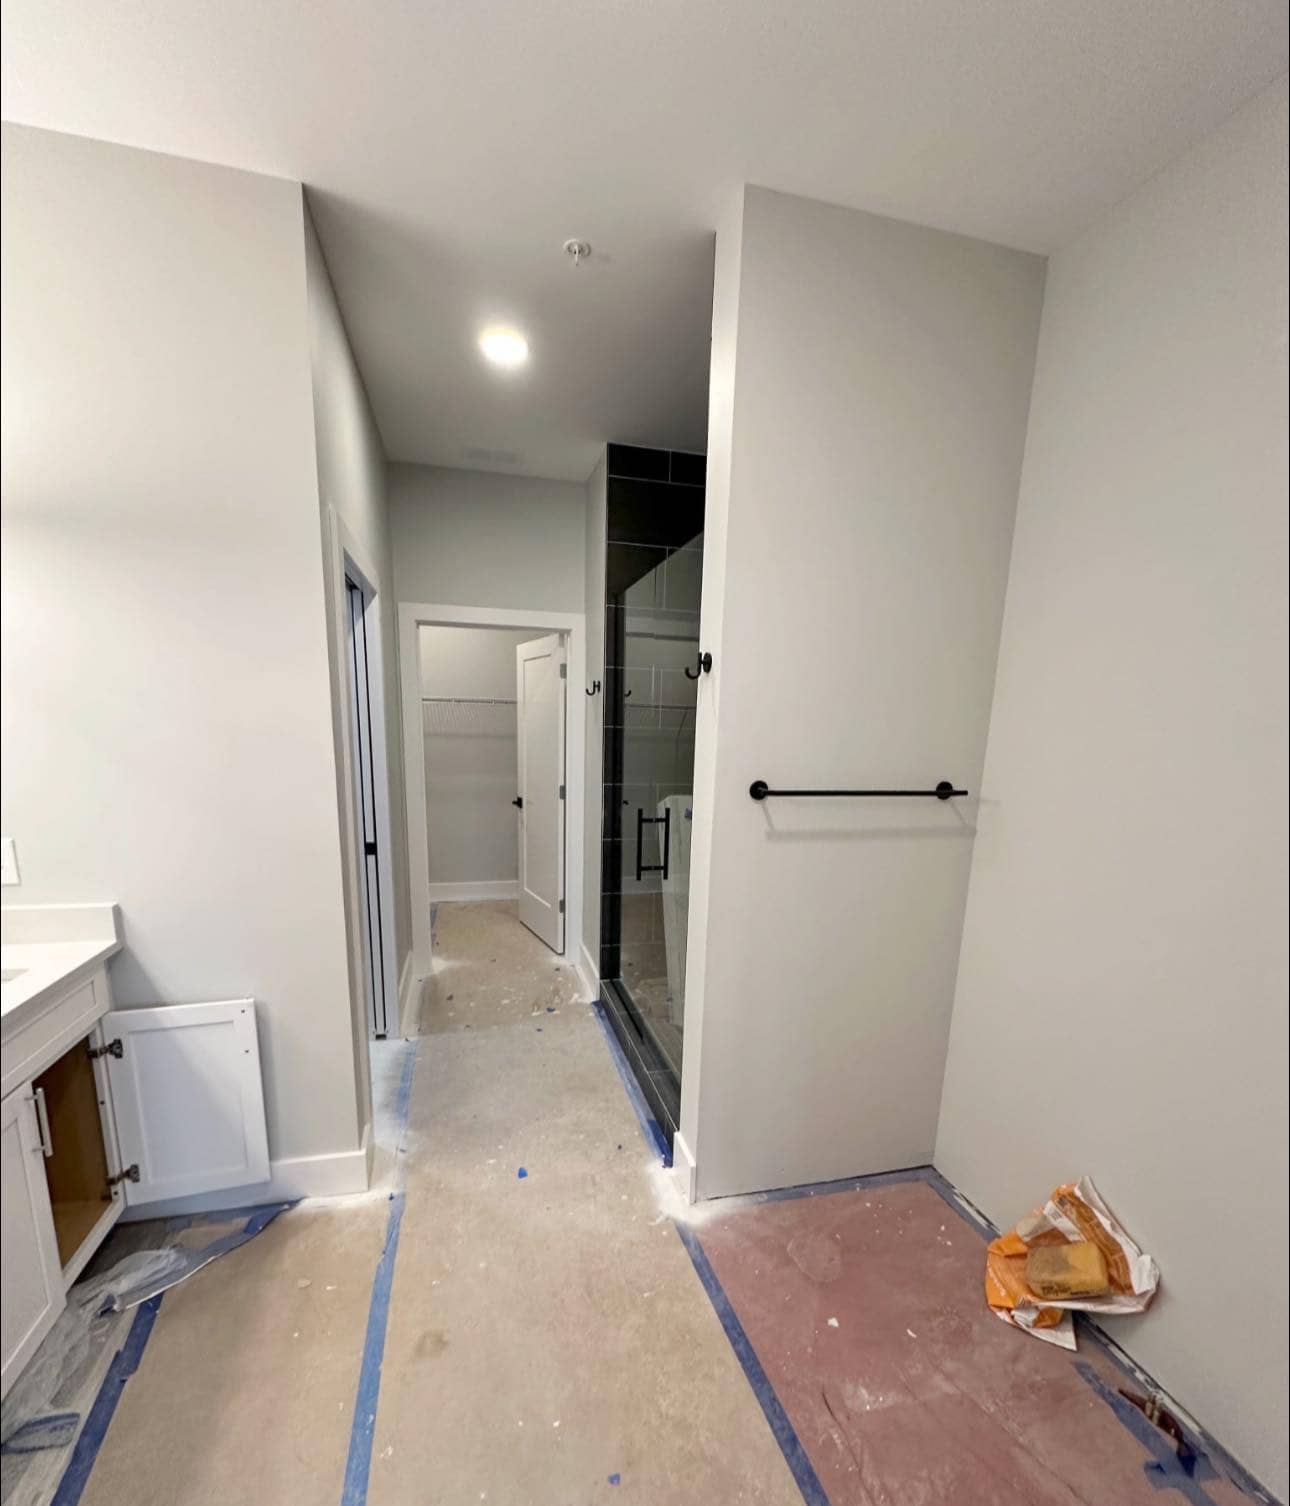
32, 1274
187, 1098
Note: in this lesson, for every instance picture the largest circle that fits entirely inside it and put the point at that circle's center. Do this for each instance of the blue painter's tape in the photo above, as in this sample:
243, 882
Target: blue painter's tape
808, 1482
1217, 1460
124, 1363
928, 1175
358, 1462
650, 1126
803, 1471
1165, 1470
53, 1430
127, 1358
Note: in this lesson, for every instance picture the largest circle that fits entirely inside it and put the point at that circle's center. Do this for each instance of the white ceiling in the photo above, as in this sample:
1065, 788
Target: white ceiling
452, 145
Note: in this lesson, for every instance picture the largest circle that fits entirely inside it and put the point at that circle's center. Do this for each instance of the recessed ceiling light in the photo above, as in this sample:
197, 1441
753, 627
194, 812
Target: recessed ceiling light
504, 347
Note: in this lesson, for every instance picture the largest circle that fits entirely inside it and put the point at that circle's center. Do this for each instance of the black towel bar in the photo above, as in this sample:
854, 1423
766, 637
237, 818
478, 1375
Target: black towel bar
759, 790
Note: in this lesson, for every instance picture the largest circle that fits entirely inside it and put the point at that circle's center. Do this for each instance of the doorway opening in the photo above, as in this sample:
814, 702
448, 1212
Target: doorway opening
493, 728
493, 748
382, 1008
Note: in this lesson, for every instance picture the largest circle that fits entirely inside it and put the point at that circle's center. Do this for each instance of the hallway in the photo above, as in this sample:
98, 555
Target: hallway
546, 1332
546, 1337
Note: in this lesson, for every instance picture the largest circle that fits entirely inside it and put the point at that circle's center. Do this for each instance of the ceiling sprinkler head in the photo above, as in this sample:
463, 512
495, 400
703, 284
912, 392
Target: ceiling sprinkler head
576, 250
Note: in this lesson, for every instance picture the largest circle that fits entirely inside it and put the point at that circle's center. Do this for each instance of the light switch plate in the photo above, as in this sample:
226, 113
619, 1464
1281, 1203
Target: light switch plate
8, 862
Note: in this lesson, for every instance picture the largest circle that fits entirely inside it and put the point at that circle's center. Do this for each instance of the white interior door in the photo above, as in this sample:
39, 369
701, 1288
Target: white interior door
539, 693
187, 1098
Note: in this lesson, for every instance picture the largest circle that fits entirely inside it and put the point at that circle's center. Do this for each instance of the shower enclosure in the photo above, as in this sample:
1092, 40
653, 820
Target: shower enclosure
653, 575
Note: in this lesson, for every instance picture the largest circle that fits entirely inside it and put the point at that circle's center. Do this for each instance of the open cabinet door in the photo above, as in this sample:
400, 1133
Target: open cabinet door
539, 694
187, 1098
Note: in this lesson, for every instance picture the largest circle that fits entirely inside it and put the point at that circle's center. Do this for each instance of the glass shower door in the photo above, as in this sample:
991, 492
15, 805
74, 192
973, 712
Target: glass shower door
660, 636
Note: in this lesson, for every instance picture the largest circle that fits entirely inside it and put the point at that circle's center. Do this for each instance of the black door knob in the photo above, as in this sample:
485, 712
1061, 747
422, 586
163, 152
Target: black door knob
518, 803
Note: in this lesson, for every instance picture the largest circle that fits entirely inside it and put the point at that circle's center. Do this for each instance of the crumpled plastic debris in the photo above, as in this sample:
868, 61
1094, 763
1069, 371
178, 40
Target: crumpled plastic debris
43, 1413
1074, 1214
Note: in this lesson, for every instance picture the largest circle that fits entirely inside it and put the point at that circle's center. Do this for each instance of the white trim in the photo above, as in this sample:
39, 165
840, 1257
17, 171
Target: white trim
589, 973
480, 889
345, 553
685, 1171
573, 625
409, 999
337, 1175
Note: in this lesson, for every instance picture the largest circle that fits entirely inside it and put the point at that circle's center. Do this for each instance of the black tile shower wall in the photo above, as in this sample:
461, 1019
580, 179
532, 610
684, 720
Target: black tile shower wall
655, 504
634, 460
661, 514
686, 469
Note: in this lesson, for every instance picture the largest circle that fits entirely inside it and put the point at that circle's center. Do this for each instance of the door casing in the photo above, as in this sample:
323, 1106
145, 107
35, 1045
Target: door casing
413, 615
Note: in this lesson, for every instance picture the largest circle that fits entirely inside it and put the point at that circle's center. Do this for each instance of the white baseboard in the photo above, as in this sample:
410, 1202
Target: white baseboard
589, 974
337, 1175
684, 1170
483, 889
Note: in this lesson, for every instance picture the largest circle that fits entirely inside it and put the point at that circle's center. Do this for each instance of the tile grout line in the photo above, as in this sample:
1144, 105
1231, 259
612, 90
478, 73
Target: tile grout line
358, 1461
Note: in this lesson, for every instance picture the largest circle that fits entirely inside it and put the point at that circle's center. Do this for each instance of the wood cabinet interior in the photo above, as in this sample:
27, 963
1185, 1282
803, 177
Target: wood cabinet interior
77, 1171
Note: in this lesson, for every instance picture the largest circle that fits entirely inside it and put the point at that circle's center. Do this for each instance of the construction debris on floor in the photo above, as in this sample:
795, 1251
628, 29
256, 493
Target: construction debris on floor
861, 1303
1071, 1255
52, 1403
523, 1310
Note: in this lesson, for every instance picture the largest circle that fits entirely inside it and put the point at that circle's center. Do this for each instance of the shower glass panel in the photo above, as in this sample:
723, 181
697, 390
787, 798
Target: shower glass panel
660, 641
653, 577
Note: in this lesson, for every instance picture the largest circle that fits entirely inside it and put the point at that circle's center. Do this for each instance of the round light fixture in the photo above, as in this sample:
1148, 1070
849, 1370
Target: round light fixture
504, 347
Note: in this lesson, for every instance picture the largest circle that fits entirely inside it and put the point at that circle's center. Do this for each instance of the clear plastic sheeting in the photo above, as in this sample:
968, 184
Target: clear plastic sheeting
43, 1414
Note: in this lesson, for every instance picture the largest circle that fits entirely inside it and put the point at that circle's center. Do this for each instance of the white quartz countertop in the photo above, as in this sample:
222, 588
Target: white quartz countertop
43, 948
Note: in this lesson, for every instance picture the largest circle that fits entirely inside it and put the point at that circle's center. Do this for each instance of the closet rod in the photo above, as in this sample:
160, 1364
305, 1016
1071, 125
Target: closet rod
468, 700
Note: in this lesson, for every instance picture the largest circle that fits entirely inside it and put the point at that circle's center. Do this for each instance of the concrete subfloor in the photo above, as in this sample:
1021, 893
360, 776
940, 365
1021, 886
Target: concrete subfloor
545, 1333
548, 1339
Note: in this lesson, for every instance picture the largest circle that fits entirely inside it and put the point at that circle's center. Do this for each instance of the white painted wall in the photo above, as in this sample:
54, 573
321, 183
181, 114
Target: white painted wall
167, 734
351, 478
1121, 1000
472, 538
471, 753
870, 388
351, 489
597, 530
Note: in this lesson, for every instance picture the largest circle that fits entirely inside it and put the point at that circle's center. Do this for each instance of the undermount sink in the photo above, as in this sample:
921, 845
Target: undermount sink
8, 974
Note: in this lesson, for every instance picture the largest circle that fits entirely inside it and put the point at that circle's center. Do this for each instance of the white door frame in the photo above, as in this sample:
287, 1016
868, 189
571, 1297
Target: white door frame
414, 615
347, 556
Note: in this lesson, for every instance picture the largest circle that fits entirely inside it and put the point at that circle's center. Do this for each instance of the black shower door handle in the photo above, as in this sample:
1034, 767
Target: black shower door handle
642, 821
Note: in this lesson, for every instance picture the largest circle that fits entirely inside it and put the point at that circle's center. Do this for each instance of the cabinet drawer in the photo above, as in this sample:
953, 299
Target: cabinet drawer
61, 1025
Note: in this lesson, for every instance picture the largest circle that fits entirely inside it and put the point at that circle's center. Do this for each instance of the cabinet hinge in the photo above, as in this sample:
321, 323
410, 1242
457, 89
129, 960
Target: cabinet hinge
564, 671
561, 907
112, 1048
561, 792
126, 1174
